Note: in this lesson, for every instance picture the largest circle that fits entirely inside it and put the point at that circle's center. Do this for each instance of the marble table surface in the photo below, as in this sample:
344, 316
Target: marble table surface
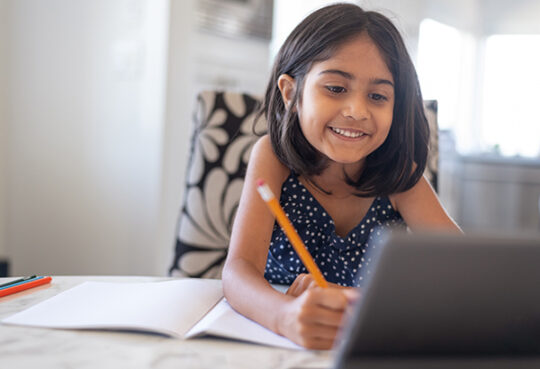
24, 347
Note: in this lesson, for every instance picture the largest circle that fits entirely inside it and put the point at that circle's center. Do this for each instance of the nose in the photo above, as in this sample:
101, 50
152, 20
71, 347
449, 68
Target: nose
356, 108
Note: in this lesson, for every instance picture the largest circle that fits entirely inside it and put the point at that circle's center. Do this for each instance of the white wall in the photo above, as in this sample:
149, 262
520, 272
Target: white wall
100, 125
510, 17
87, 91
3, 123
179, 107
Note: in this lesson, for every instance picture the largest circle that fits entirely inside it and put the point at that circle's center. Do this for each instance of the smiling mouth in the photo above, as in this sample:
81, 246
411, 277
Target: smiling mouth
347, 133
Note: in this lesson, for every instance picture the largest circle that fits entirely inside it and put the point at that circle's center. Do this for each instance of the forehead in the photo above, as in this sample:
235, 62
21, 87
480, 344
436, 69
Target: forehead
359, 56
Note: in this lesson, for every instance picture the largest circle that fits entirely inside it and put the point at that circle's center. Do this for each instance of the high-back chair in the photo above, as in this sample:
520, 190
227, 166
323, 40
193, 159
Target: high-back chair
432, 166
220, 146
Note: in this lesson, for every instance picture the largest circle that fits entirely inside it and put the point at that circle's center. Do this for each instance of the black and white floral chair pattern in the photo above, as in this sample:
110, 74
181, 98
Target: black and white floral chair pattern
220, 146
432, 167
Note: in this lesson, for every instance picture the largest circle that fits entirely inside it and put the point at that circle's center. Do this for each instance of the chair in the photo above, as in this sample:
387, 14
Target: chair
220, 147
432, 166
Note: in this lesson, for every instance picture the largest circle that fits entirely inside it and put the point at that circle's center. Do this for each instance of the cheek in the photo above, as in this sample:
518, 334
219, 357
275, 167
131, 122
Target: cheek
306, 126
306, 114
384, 128
388, 122
303, 116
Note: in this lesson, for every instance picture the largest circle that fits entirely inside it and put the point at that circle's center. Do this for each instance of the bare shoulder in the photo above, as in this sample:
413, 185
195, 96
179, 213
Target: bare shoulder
262, 149
263, 163
418, 191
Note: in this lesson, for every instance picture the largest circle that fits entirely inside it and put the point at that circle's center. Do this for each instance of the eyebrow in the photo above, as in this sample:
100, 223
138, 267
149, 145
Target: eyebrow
376, 81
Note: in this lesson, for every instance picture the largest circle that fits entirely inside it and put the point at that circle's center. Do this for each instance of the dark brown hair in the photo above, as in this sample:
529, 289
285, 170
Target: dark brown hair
400, 161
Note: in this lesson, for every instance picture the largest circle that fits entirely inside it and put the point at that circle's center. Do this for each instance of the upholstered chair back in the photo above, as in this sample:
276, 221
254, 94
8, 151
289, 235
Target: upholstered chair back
223, 134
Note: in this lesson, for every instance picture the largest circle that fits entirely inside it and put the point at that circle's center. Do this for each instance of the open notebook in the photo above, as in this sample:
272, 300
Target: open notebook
181, 308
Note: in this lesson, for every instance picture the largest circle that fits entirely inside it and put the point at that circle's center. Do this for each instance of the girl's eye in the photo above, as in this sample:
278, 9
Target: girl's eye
378, 97
336, 89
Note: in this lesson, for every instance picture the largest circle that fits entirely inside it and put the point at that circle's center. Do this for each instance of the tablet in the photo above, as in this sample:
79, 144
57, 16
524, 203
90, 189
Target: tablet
441, 295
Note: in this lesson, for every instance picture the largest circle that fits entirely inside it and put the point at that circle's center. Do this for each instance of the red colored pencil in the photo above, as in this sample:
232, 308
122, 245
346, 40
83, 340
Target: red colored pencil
24, 286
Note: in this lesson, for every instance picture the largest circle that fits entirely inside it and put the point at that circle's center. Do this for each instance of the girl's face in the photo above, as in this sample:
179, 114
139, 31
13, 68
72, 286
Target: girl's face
347, 103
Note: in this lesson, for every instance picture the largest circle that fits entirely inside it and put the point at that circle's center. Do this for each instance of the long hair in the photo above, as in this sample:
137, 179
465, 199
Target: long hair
400, 161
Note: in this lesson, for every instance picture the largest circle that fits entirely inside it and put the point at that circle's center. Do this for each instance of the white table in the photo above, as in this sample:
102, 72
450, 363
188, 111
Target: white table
23, 347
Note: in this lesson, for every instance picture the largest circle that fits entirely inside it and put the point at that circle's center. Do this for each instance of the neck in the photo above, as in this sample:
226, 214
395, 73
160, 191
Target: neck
335, 173
331, 182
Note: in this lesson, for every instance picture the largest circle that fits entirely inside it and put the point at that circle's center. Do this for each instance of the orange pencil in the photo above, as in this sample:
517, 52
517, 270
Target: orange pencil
296, 241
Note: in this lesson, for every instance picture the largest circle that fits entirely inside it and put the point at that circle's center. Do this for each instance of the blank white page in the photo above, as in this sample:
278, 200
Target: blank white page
224, 321
169, 307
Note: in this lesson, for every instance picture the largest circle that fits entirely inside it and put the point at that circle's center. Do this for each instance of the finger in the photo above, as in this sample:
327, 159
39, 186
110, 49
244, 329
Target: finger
317, 343
319, 332
299, 285
312, 283
330, 298
292, 290
308, 280
312, 311
352, 295
305, 283
317, 315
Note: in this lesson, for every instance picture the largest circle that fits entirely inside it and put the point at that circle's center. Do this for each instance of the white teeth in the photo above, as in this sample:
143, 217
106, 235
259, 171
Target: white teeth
346, 133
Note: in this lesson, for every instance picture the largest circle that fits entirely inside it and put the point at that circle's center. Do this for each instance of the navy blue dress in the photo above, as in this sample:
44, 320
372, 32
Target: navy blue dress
340, 258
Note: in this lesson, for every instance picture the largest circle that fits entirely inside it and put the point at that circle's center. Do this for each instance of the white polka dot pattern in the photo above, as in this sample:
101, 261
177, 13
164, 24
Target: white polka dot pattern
341, 259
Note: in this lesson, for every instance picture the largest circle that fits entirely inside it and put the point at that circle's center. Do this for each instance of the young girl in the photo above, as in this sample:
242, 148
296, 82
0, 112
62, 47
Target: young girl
345, 152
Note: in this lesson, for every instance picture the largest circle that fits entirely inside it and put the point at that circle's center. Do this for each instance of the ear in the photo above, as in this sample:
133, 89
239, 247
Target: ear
287, 86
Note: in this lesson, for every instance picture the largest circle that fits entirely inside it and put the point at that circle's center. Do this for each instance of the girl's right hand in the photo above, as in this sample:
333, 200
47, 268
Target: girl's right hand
314, 318
305, 280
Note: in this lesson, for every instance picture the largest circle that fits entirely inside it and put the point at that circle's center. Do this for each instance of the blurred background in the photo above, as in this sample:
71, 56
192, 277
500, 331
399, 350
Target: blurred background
96, 99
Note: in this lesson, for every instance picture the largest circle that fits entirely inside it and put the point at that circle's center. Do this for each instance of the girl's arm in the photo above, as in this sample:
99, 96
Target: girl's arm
243, 273
311, 319
421, 209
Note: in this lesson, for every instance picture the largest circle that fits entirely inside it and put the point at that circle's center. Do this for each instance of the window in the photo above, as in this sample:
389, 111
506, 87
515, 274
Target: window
445, 68
488, 89
510, 122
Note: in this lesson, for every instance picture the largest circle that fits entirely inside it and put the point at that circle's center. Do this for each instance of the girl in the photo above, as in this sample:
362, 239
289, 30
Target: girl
346, 148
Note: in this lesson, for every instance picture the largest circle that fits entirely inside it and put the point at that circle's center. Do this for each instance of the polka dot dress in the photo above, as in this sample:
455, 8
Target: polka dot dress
342, 260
